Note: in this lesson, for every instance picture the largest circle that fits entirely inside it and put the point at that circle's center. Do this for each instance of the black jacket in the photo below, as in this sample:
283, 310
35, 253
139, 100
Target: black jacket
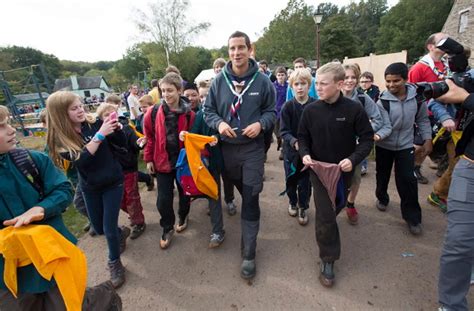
328, 132
127, 155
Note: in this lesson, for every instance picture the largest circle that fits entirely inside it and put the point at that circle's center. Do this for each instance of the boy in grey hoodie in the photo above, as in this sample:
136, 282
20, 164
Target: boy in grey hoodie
405, 110
241, 106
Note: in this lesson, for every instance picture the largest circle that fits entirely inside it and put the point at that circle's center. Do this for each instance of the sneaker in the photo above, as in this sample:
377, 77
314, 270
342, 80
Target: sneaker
363, 170
415, 229
125, 232
292, 210
92, 232
166, 239
182, 224
352, 215
248, 269
280, 157
216, 240
87, 227
380, 206
302, 216
117, 273
137, 230
419, 177
435, 200
326, 275
231, 208
150, 186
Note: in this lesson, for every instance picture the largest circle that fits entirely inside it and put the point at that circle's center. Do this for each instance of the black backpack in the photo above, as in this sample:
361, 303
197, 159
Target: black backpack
24, 163
361, 97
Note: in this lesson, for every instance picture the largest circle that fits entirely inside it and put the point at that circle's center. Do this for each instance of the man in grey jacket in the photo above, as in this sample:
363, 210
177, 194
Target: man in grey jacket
405, 110
241, 106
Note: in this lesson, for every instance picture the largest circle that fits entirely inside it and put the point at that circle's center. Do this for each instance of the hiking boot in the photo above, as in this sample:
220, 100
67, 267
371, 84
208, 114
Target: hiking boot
302, 216
182, 224
125, 232
435, 200
326, 274
380, 206
415, 229
248, 269
352, 215
292, 210
231, 208
216, 239
137, 230
151, 185
166, 239
419, 177
117, 273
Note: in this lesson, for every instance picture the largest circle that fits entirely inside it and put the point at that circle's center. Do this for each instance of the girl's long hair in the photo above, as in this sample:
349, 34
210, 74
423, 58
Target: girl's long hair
61, 135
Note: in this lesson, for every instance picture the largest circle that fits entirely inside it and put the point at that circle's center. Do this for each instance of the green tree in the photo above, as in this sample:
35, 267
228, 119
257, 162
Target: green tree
133, 62
191, 61
166, 23
338, 39
409, 23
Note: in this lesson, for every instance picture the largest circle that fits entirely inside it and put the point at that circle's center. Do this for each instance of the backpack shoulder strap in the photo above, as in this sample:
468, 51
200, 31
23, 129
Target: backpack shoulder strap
361, 96
154, 111
25, 164
420, 99
385, 103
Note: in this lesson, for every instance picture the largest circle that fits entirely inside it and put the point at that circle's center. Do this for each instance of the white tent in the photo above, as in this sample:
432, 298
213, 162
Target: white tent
205, 75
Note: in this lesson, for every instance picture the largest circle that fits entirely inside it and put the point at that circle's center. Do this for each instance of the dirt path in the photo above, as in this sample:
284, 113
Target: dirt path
371, 275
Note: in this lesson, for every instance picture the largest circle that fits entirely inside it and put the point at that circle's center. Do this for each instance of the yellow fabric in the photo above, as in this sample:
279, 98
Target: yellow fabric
66, 165
194, 143
155, 94
455, 135
134, 128
51, 254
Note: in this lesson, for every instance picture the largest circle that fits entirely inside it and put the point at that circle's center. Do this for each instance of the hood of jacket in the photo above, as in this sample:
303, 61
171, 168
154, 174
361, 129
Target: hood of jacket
411, 93
253, 68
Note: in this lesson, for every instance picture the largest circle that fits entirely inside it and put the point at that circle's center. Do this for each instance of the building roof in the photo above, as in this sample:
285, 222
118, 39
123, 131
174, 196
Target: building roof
84, 83
29, 98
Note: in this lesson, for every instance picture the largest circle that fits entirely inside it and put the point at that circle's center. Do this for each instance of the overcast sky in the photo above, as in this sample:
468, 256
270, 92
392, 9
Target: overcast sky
93, 30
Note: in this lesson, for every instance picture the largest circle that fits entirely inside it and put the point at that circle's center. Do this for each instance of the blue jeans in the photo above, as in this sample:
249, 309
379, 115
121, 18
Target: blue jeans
103, 208
457, 256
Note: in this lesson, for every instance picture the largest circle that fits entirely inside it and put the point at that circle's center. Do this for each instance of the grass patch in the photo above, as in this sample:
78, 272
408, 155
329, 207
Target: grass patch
74, 221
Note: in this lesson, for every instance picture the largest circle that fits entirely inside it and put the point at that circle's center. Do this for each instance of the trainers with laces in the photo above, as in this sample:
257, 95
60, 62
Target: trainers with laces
182, 224
216, 239
380, 206
363, 170
292, 210
137, 230
326, 274
415, 229
435, 200
117, 273
166, 239
352, 215
124, 233
302, 216
231, 208
419, 177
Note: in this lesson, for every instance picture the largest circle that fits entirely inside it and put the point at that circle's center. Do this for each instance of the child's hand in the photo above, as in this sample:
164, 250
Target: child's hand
36, 213
108, 127
307, 160
150, 167
141, 141
346, 165
181, 135
214, 142
297, 147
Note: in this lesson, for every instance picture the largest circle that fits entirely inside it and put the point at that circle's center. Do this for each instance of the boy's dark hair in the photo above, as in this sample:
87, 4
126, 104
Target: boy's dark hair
263, 62
367, 75
280, 69
154, 83
240, 34
173, 79
400, 69
190, 86
300, 60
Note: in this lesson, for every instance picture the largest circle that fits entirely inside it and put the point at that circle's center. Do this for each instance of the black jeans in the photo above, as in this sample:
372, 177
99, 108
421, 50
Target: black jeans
164, 201
144, 177
228, 188
405, 180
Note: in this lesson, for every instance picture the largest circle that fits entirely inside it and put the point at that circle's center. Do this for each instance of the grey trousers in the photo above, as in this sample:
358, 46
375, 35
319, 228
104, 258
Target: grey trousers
457, 257
48, 301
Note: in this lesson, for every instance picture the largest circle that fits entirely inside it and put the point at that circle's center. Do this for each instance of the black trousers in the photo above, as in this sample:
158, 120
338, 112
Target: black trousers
405, 180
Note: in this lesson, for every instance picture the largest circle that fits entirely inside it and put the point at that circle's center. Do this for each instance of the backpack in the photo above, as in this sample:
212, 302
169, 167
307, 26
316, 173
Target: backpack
24, 163
184, 177
361, 97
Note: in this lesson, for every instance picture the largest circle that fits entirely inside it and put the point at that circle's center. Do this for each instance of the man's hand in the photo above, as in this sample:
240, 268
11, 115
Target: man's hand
346, 165
36, 213
150, 168
252, 130
427, 147
307, 160
226, 130
376, 137
455, 95
449, 125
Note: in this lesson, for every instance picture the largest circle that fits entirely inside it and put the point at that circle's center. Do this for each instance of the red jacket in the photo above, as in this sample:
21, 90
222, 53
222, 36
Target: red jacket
155, 149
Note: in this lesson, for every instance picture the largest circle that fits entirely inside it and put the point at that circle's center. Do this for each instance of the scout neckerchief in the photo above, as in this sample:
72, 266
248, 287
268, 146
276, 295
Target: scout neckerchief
238, 90
427, 60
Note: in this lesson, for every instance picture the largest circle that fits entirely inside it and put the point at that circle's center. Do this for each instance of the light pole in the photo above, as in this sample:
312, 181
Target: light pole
317, 17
